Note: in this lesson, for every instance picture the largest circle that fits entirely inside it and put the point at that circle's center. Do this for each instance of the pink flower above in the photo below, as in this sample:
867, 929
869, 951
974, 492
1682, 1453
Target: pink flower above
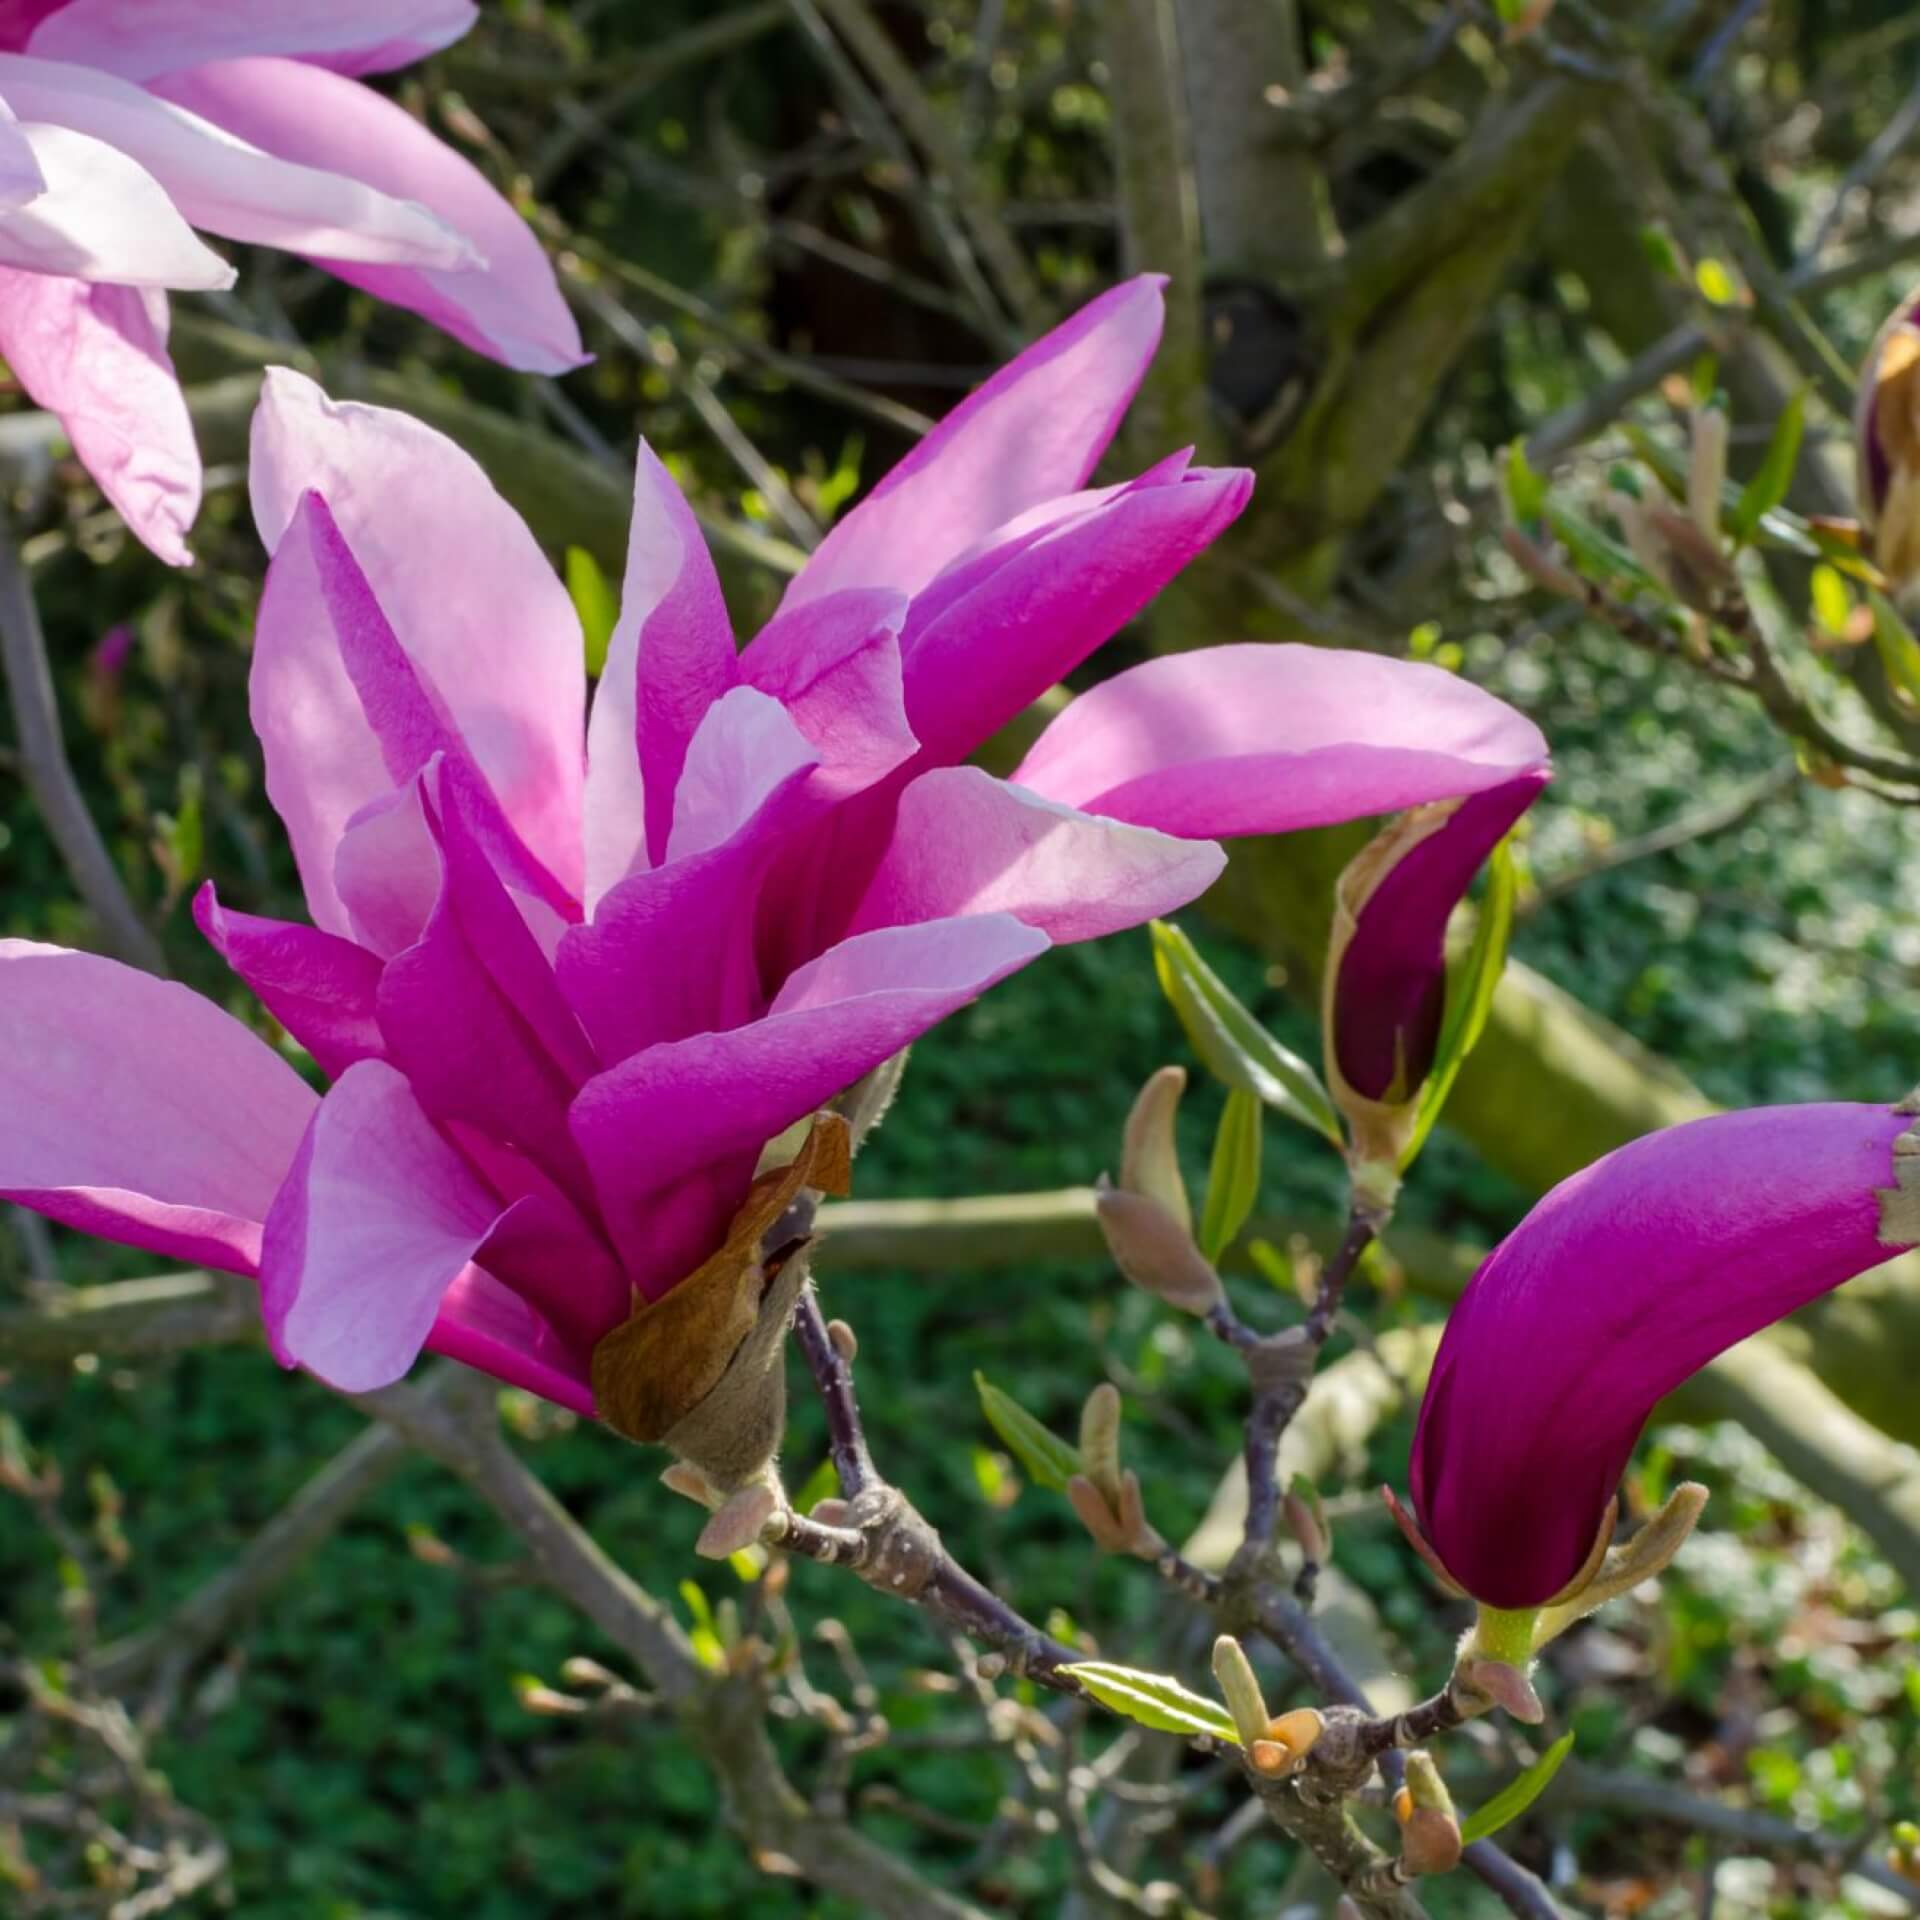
566, 997
127, 124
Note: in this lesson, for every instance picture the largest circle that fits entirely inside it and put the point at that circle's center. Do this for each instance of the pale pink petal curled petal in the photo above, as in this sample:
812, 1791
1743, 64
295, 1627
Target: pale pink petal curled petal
1261, 738
386, 869
651, 1124
670, 657
504, 302
376, 1220
744, 751
463, 584
134, 1109
96, 357
103, 217
319, 987
964, 842
223, 184
834, 664
21, 176
1621, 1283
992, 651
138, 39
1034, 430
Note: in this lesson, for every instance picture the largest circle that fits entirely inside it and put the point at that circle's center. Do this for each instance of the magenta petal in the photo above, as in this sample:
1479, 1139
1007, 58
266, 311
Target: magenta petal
138, 39
377, 1219
1264, 738
504, 302
671, 656
1621, 1283
1390, 996
96, 356
649, 1123
964, 842
319, 987
559, 1265
834, 664
485, 1325
138, 1111
1033, 618
1034, 430
468, 594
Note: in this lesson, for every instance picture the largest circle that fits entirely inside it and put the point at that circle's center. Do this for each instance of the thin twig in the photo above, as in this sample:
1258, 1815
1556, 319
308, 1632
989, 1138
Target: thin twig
49, 774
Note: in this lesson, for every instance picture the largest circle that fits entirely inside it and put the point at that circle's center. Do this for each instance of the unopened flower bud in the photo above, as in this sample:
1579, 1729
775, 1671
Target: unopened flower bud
1637, 529
1425, 1787
1240, 1688
1289, 1738
1887, 444
1430, 1842
1156, 1252
1707, 469
1149, 1154
1100, 1440
1306, 1518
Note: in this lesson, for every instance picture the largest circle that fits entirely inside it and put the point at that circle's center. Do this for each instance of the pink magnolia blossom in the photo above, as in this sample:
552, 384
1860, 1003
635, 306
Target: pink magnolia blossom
564, 998
126, 124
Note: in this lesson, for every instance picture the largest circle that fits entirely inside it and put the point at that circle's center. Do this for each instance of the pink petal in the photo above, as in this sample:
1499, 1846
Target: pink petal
1622, 1282
834, 664
96, 357
670, 657
102, 216
964, 842
561, 1267
485, 1325
503, 301
1034, 430
377, 1219
319, 987
986, 655
667, 1118
134, 1109
469, 595
386, 869
138, 39
1268, 738
223, 184
744, 751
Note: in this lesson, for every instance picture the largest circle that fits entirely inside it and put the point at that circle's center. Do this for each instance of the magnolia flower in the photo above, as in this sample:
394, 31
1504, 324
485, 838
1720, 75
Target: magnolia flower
1621, 1283
565, 999
126, 124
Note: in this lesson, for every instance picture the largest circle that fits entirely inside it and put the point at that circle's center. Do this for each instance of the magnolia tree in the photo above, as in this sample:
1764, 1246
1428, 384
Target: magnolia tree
620, 923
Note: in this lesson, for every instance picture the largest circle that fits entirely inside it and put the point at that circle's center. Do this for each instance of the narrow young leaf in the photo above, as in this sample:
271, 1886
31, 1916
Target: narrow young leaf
1526, 489
1517, 1795
596, 604
1236, 1048
1469, 994
1774, 475
1832, 603
1598, 555
1155, 1700
1233, 1179
1899, 651
1048, 1460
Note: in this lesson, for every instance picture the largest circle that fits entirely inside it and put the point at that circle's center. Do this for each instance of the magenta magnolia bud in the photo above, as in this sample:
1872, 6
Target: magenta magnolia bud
1386, 979
1621, 1283
1887, 443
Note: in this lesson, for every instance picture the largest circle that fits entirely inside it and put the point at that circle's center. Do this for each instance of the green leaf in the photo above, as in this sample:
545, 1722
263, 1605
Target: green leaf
1715, 279
1899, 651
1660, 460
1832, 603
596, 604
1517, 1795
1233, 1179
1598, 555
1469, 994
1049, 1461
1703, 378
1774, 475
1662, 255
1155, 1700
823, 1483
1526, 489
1236, 1048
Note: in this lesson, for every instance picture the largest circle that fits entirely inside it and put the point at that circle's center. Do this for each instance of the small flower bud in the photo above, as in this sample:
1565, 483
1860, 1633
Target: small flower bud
1099, 1519
1149, 1155
1707, 470
1100, 1440
1430, 1842
1240, 1688
738, 1523
1887, 445
1425, 1787
1504, 1685
845, 1342
1306, 1518
1156, 1252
